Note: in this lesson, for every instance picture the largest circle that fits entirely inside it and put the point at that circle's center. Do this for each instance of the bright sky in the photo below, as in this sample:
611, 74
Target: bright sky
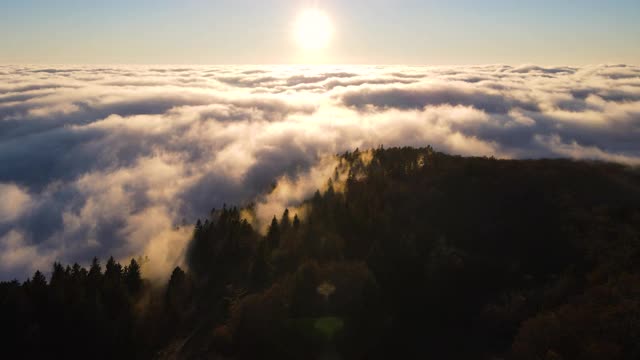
364, 31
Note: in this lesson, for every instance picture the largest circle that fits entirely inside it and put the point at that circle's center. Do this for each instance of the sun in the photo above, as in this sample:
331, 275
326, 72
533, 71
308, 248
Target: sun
313, 30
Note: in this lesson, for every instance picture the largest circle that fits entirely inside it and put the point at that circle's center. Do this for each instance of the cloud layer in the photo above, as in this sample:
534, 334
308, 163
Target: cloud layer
114, 160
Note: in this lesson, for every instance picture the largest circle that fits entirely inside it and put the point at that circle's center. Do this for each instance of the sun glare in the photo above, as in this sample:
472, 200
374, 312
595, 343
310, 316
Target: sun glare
313, 30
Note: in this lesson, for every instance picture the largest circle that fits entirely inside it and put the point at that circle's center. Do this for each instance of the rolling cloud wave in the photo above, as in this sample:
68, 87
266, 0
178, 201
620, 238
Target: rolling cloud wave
113, 160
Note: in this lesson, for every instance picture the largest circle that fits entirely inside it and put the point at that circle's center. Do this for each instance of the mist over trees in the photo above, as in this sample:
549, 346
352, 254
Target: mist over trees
407, 253
129, 133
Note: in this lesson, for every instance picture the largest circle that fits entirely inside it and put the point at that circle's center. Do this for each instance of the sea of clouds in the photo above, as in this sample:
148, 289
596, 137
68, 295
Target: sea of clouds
115, 160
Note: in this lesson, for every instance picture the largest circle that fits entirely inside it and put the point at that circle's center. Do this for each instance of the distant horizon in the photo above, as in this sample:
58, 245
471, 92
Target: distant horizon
337, 32
326, 64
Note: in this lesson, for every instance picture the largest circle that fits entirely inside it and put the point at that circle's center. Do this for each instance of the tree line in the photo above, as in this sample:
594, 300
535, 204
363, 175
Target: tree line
407, 252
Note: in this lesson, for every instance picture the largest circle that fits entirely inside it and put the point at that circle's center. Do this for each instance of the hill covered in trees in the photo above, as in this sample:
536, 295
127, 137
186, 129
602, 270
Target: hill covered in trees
407, 253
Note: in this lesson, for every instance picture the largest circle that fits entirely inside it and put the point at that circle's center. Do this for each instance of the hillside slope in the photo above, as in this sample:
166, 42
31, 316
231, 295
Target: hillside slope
407, 253
425, 253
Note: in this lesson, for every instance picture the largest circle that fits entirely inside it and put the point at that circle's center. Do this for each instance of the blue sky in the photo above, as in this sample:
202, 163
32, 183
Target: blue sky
366, 31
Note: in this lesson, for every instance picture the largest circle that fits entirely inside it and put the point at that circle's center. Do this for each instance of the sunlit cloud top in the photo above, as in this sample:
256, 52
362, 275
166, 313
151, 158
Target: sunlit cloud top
114, 160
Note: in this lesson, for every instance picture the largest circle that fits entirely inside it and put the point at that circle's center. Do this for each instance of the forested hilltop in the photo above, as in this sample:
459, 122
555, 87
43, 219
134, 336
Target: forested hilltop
407, 253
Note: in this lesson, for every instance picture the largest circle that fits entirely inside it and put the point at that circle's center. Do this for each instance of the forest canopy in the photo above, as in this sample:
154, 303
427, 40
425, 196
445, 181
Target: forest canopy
407, 252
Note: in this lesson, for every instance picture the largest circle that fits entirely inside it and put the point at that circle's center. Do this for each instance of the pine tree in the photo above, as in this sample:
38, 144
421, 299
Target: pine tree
133, 277
94, 276
78, 273
330, 190
177, 297
39, 280
285, 223
113, 271
57, 275
296, 222
273, 235
176, 289
198, 228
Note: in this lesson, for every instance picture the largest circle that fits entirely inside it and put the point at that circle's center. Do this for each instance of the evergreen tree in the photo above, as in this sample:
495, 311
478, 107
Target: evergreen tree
330, 190
177, 299
39, 280
285, 223
176, 289
78, 273
58, 275
113, 271
296, 222
273, 234
95, 270
133, 277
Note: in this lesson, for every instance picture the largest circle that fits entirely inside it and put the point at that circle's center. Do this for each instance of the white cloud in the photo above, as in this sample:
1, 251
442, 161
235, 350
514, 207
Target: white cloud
574, 150
109, 161
14, 202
